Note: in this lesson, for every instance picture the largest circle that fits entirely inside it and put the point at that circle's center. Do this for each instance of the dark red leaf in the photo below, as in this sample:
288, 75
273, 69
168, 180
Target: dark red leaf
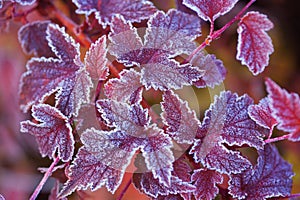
65, 74
32, 37
254, 44
210, 9
262, 114
126, 88
53, 133
271, 177
206, 183
95, 60
181, 120
132, 10
101, 161
285, 109
214, 70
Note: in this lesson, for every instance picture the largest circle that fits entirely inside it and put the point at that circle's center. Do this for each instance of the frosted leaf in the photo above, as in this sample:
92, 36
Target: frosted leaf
146, 183
285, 109
158, 70
239, 128
181, 120
172, 32
169, 197
95, 60
32, 37
101, 161
262, 114
214, 70
53, 133
132, 10
132, 119
210, 9
226, 121
125, 40
271, 177
126, 88
254, 44
220, 159
65, 74
77, 92
206, 183
164, 74
158, 155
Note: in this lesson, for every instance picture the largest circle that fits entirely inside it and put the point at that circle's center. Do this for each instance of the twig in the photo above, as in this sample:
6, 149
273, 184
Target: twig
124, 190
44, 179
216, 34
284, 137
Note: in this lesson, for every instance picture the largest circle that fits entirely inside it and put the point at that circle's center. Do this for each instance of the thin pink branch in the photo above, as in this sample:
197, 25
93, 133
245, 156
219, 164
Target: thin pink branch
44, 179
216, 34
271, 140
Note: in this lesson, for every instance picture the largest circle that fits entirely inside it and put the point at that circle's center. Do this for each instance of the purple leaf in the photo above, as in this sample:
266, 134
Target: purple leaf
53, 133
172, 32
210, 9
214, 70
262, 114
32, 37
158, 155
271, 177
164, 74
254, 44
65, 74
146, 183
158, 70
169, 197
101, 161
95, 60
125, 40
285, 109
132, 119
77, 93
181, 120
132, 10
206, 183
126, 88
227, 121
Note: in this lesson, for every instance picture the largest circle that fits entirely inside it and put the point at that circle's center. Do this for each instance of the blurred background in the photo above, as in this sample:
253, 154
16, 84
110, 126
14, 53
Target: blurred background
19, 157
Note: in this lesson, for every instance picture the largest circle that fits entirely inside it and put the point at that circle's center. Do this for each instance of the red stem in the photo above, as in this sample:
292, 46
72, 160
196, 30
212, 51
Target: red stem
44, 179
124, 190
216, 34
72, 26
284, 137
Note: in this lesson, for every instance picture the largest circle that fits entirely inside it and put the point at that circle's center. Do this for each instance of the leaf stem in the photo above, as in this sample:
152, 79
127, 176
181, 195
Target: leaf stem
71, 25
125, 189
284, 137
216, 34
293, 195
44, 179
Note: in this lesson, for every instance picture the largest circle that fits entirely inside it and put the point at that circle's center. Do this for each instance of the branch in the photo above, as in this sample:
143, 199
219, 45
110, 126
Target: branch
44, 179
216, 34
